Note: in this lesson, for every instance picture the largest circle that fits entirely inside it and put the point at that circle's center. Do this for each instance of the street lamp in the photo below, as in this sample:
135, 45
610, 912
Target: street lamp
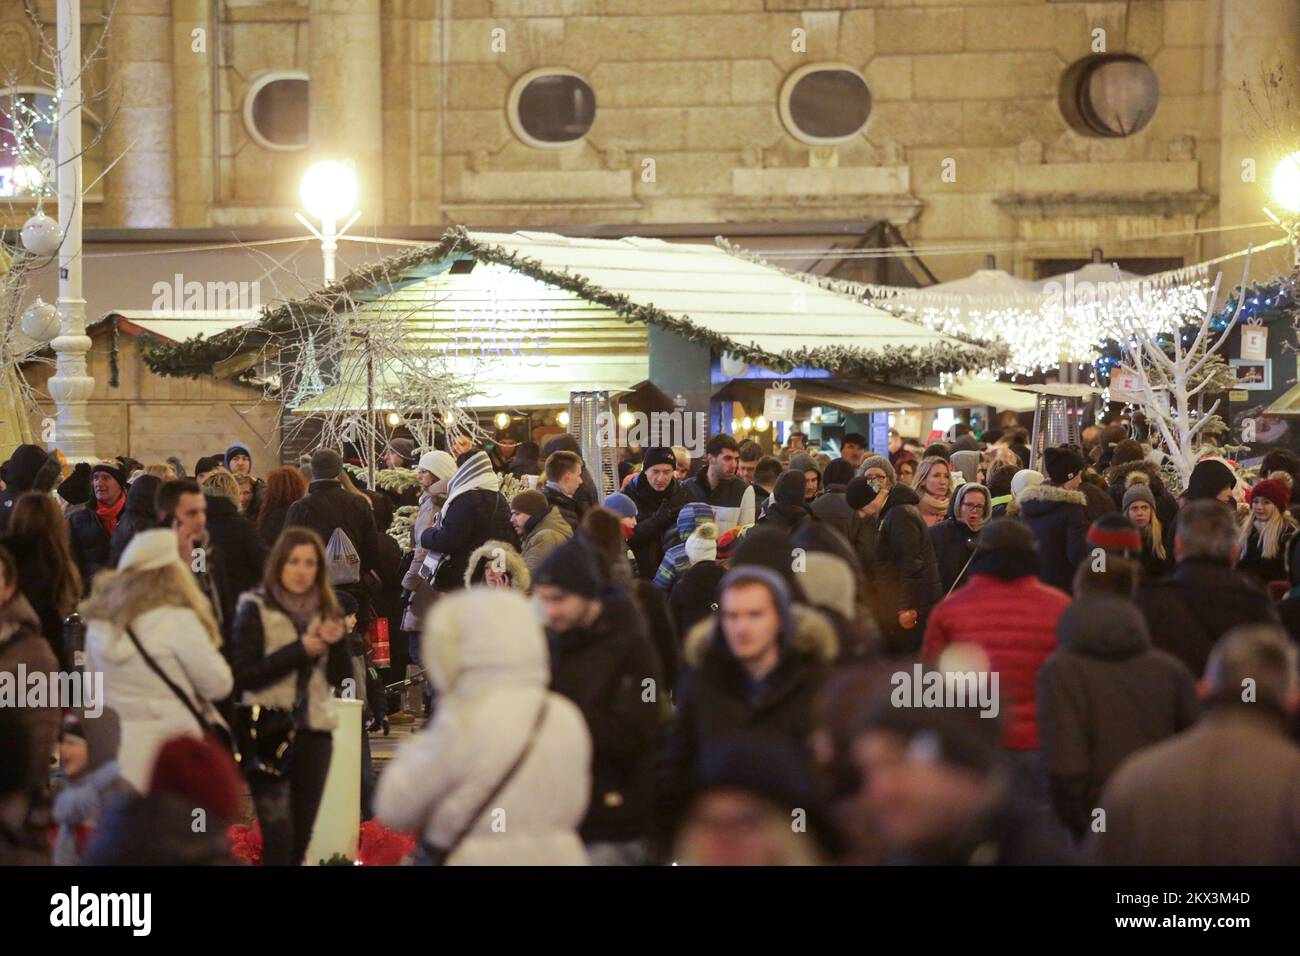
329, 191
1286, 193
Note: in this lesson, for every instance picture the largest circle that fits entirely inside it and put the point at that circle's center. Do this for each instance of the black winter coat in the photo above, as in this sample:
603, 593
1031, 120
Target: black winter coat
1059, 520
905, 566
954, 543
24, 467
91, 544
694, 595
656, 517
1188, 611
137, 516
832, 508
243, 552
570, 509
788, 519
328, 506
1102, 695
602, 669
474, 518
273, 525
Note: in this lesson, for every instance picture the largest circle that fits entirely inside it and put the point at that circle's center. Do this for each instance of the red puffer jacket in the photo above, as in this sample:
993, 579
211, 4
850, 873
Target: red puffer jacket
1015, 623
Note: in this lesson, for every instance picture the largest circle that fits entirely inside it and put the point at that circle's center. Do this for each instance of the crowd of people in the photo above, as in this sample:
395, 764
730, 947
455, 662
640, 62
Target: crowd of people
931, 655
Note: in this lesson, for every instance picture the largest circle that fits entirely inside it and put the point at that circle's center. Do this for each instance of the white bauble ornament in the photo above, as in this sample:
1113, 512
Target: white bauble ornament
40, 321
41, 235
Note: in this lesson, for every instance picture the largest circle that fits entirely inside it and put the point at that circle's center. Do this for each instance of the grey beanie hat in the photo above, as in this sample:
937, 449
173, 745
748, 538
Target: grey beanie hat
326, 464
881, 462
1138, 491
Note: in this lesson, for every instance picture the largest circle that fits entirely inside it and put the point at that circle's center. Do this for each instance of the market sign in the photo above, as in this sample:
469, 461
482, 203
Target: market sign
778, 404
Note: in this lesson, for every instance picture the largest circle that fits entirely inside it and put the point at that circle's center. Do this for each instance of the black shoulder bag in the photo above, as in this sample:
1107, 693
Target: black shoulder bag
437, 856
215, 729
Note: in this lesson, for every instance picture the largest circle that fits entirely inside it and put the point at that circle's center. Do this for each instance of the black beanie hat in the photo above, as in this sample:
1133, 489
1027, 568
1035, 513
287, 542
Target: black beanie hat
75, 489
1209, 478
789, 488
112, 469
1007, 534
838, 472
234, 450
1062, 464
858, 494
571, 567
658, 456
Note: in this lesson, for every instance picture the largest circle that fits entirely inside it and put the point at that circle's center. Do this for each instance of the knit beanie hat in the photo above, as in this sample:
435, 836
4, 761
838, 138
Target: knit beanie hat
1274, 490
802, 461
76, 488
529, 503
149, 550
326, 464
658, 456
1208, 478
72, 726
878, 461
1138, 491
1115, 532
200, 772
858, 494
403, 446
621, 505
1062, 464
1007, 534
789, 488
702, 545
110, 468
838, 472
1023, 480
570, 567
234, 450
437, 463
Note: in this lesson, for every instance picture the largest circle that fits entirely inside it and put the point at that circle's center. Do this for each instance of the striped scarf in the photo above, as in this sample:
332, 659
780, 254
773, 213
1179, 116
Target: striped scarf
475, 474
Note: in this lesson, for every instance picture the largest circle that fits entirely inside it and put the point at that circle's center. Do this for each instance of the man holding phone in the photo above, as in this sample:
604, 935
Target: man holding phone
180, 505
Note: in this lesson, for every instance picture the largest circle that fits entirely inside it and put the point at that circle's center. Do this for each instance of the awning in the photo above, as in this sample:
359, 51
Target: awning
986, 391
1287, 404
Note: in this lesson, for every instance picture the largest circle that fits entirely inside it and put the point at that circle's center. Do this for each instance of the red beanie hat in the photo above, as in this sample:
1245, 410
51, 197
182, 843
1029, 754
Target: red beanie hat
199, 771
1274, 490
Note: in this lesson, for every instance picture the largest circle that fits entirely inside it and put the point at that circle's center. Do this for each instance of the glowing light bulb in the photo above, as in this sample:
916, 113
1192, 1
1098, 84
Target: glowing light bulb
394, 419
626, 419
562, 419
760, 423
747, 423
1286, 183
502, 419
329, 190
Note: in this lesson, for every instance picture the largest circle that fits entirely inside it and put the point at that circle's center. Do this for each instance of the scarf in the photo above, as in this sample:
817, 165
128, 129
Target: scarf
80, 801
933, 509
109, 514
475, 474
301, 608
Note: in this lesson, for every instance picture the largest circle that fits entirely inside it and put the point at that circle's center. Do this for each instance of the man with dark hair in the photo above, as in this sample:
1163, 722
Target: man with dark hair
526, 461
853, 449
328, 507
181, 505
658, 497
750, 452
766, 472
603, 660
716, 485
92, 530
206, 466
1204, 598
563, 472
1227, 791
239, 461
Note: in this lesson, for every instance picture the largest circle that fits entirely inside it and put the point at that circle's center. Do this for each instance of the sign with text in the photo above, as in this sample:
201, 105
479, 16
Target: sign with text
778, 404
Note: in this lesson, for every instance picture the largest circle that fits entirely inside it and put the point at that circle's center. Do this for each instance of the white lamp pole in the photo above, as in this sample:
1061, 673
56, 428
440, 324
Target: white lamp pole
70, 386
329, 191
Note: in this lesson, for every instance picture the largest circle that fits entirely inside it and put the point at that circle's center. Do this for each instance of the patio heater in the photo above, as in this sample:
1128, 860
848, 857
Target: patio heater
1058, 416
585, 411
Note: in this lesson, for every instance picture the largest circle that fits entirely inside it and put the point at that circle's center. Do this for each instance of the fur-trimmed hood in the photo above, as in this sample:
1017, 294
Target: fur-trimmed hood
1120, 474
813, 634
1044, 497
520, 579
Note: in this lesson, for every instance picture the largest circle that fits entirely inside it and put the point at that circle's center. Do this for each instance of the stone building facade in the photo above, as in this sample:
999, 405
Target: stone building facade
966, 142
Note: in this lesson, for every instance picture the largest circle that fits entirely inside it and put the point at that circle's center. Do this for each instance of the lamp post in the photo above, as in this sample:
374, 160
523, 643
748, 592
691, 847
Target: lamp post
329, 191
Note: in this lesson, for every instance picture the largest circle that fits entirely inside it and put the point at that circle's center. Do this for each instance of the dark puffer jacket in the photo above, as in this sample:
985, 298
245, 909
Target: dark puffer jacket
694, 595
474, 518
953, 540
328, 506
91, 544
137, 516
831, 508
904, 566
787, 518
656, 519
1104, 694
243, 552
602, 669
1059, 520
1188, 611
1119, 477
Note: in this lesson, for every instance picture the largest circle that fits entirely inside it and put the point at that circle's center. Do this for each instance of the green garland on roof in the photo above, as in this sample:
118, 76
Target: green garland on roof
195, 357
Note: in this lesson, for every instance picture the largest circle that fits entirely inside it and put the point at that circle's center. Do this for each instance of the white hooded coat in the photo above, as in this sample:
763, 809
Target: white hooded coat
150, 713
488, 659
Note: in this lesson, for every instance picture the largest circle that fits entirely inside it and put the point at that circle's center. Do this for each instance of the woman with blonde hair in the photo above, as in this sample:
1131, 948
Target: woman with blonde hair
287, 650
933, 484
1267, 537
145, 620
1140, 507
163, 472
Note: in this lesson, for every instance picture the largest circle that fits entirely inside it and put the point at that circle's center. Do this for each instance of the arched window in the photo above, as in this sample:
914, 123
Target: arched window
275, 110
551, 107
1109, 95
825, 103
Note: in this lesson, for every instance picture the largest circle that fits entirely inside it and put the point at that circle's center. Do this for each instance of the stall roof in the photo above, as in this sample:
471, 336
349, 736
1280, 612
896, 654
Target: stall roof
727, 302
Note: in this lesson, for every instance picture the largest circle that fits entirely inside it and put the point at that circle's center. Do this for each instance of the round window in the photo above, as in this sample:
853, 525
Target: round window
825, 104
552, 108
275, 111
1110, 95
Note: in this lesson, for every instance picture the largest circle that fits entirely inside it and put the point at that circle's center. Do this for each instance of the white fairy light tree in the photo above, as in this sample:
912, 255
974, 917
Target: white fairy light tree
1174, 381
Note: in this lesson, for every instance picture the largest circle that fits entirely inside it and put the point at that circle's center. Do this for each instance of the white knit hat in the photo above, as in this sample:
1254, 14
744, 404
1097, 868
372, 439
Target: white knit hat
702, 545
438, 463
1023, 480
150, 550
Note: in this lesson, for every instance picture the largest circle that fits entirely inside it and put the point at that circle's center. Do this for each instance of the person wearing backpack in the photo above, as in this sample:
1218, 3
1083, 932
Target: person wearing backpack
344, 521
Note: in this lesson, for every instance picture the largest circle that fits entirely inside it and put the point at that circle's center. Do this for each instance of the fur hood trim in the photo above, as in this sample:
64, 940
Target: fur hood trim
1051, 493
813, 634
1124, 471
520, 579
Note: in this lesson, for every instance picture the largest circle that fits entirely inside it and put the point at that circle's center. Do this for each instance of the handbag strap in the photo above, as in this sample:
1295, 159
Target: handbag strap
505, 779
183, 697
